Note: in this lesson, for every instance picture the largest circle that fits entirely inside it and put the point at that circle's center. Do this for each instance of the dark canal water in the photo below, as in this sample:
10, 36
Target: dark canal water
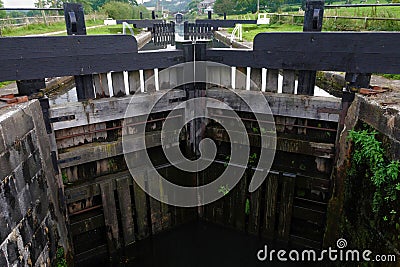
195, 244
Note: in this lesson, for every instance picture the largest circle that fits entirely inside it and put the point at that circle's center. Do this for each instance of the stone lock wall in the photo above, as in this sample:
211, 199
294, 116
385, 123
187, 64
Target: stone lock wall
31, 224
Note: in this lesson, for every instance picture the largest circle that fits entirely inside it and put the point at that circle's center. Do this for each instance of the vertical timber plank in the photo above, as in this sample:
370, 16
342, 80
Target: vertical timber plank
288, 85
110, 216
255, 77
254, 218
270, 205
141, 208
101, 85
286, 206
149, 81
134, 81
124, 197
240, 204
118, 84
240, 79
226, 78
272, 80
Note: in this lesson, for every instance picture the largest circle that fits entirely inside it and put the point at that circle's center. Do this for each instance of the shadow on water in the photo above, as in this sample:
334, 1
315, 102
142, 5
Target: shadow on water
195, 244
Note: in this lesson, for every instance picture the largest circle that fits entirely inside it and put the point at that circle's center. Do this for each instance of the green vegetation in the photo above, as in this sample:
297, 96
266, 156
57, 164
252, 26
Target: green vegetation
223, 189
372, 193
247, 207
251, 30
252, 158
3, 14
42, 28
60, 258
392, 76
119, 10
384, 175
3, 84
64, 177
113, 29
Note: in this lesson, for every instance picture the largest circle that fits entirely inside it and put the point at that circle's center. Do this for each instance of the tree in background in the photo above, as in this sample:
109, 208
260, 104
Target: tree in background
97, 4
3, 14
193, 5
224, 6
122, 10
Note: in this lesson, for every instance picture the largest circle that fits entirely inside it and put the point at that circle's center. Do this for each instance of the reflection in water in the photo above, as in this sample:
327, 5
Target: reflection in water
69, 96
195, 244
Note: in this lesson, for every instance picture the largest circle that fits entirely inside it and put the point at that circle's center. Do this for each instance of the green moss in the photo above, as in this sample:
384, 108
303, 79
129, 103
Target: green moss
247, 207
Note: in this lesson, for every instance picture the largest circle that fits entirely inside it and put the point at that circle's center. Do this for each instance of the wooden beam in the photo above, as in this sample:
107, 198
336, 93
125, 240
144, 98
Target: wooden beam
102, 110
77, 55
110, 216
125, 205
286, 206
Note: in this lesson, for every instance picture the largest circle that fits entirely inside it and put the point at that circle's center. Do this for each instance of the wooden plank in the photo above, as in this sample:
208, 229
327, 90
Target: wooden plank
307, 107
323, 150
125, 205
141, 208
272, 81
255, 213
240, 79
270, 205
134, 81
289, 78
102, 110
118, 84
89, 152
77, 55
110, 216
91, 188
239, 207
101, 85
286, 206
362, 52
315, 216
86, 225
149, 81
255, 77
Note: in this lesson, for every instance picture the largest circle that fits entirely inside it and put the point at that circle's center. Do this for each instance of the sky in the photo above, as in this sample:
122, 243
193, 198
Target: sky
18, 3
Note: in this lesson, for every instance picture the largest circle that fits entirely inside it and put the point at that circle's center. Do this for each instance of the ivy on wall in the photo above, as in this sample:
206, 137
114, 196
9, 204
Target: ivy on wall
372, 192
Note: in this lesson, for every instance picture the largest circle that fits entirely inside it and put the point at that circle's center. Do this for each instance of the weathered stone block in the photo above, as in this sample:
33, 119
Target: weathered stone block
12, 251
2, 143
15, 125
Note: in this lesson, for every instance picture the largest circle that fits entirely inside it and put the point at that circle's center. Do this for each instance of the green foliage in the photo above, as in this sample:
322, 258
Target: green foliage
227, 159
38, 28
64, 177
120, 10
3, 14
247, 207
384, 175
2, 84
392, 76
224, 6
193, 5
223, 189
60, 258
252, 158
